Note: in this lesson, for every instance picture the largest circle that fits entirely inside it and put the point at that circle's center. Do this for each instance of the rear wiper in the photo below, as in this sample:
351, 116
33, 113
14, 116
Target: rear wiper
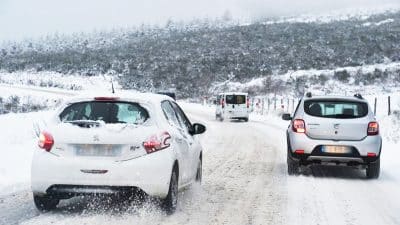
344, 116
85, 123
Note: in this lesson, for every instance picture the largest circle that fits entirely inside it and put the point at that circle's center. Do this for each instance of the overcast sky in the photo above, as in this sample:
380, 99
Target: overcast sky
33, 18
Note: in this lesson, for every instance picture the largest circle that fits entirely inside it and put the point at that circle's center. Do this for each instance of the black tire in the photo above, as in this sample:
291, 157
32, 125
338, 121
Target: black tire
45, 203
199, 173
171, 201
293, 166
246, 119
373, 169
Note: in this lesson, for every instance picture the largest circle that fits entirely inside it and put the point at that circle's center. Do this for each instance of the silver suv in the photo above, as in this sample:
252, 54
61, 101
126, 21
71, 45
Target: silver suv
338, 130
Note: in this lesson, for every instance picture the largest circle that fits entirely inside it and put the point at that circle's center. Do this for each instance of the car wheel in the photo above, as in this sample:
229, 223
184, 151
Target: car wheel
293, 166
45, 203
246, 119
199, 173
171, 201
373, 169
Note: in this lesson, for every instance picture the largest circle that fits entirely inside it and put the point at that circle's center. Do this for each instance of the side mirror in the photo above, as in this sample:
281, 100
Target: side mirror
286, 116
197, 128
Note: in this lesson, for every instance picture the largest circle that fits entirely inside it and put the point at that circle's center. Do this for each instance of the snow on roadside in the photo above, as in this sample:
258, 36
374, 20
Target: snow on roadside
18, 139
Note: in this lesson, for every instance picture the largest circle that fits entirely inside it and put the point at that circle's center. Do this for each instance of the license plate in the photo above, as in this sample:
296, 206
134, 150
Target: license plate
98, 150
336, 149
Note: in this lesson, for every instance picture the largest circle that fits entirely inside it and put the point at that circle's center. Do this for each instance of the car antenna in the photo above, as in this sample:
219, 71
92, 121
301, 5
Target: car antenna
112, 87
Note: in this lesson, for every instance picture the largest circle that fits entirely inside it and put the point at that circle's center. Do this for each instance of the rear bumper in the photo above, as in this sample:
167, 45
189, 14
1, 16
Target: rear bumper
313, 154
235, 114
150, 173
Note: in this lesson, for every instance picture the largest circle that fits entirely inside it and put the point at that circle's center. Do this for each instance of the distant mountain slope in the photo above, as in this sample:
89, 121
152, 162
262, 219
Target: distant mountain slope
192, 59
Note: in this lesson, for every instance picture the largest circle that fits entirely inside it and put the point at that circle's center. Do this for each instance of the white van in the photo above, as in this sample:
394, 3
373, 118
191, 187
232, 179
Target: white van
232, 105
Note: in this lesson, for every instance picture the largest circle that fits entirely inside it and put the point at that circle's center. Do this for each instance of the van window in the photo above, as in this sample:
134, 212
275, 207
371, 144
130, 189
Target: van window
235, 99
336, 109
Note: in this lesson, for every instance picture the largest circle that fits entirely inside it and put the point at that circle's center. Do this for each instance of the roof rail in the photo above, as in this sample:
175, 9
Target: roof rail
358, 95
308, 95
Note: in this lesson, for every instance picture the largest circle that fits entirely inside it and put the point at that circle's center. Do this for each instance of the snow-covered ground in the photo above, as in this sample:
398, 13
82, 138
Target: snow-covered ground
245, 181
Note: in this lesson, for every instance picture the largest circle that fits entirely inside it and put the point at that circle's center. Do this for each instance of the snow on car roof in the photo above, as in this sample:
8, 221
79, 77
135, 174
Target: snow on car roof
122, 96
337, 97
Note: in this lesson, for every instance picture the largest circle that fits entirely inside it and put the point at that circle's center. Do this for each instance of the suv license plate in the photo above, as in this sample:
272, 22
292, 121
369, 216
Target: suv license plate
336, 149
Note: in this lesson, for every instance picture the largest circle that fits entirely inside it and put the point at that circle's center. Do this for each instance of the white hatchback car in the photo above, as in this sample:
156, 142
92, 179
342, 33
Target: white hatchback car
105, 145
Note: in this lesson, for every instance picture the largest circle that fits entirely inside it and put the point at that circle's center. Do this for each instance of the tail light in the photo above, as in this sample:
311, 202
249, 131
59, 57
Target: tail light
222, 103
248, 103
299, 126
157, 142
371, 154
373, 128
106, 98
46, 141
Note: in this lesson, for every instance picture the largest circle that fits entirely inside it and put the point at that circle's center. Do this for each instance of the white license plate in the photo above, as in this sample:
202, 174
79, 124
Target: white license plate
98, 150
336, 149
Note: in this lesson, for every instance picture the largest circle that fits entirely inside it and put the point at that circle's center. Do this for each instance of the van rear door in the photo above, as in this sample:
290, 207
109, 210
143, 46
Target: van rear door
236, 104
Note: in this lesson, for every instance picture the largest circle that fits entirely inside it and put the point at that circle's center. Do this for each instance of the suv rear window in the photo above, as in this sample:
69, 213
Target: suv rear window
336, 109
109, 112
235, 99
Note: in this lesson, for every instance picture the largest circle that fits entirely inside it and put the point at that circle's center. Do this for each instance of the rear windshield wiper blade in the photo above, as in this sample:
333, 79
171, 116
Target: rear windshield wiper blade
85, 123
344, 116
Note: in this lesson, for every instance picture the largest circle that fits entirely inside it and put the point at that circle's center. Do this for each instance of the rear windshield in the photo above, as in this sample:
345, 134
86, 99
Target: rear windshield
109, 112
335, 109
235, 99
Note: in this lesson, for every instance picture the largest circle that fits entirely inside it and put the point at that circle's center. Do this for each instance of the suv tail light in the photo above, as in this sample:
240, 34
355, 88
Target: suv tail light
46, 141
373, 128
299, 126
248, 103
157, 142
222, 103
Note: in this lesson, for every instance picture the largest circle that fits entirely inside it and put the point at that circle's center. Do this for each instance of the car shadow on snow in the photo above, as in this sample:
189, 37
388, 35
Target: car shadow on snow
327, 171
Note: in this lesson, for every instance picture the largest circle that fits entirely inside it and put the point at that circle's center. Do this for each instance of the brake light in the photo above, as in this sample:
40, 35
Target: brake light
222, 103
106, 98
373, 128
371, 154
248, 103
46, 141
157, 142
299, 126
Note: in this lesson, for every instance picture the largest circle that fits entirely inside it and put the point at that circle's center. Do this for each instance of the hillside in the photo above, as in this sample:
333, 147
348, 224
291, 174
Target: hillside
193, 58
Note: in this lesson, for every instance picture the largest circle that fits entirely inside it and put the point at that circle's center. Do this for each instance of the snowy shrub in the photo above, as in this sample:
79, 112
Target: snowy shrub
342, 76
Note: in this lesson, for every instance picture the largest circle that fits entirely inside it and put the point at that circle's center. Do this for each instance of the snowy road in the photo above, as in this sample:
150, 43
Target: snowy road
244, 182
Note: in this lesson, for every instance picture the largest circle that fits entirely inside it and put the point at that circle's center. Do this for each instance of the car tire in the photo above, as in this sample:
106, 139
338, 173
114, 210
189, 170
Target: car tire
373, 169
199, 173
292, 166
171, 201
45, 203
246, 119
